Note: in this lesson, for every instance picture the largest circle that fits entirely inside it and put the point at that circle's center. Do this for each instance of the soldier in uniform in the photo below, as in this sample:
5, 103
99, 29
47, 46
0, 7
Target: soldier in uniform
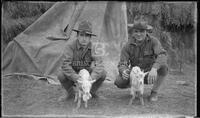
79, 55
145, 51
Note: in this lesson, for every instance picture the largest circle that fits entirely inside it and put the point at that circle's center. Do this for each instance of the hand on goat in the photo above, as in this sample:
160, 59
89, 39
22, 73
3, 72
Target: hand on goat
152, 76
79, 81
125, 74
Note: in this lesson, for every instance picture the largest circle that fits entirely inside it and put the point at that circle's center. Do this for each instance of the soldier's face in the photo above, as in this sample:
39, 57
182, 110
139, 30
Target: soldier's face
139, 34
84, 38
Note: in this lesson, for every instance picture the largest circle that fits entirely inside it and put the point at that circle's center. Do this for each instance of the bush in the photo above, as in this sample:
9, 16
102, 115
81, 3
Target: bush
17, 16
12, 27
25, 9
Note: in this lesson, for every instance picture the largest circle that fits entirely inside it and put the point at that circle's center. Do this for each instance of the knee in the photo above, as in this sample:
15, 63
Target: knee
163, 71
103, 75
120, 83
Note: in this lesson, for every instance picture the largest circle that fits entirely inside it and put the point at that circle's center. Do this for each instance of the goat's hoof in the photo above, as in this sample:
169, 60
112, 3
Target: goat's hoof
77, 108
86, 106
142, 103
130, 103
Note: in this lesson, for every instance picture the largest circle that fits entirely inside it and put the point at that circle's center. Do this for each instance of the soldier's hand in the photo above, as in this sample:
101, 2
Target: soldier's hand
125, 74
79, 80
152, 76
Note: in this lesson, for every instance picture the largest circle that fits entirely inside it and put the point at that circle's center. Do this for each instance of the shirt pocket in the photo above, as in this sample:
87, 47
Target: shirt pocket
148, 52
88, 58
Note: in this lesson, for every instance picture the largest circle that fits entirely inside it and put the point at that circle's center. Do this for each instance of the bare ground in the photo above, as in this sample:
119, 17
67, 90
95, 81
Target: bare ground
26, 96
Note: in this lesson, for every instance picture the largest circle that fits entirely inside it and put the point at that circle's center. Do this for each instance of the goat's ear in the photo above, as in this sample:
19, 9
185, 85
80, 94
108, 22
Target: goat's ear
92, 81
79, 81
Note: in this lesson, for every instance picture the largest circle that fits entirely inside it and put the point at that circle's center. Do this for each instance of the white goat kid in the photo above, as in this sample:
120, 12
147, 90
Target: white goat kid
137, 84
83, 87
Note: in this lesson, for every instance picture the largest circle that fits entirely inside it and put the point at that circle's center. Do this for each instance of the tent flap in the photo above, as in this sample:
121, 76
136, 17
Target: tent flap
35, 52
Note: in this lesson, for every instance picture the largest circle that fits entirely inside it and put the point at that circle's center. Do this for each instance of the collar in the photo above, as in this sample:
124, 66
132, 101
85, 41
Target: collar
78, 45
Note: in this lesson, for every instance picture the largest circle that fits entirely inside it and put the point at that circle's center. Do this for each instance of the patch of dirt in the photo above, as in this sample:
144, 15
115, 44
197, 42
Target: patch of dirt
25, 96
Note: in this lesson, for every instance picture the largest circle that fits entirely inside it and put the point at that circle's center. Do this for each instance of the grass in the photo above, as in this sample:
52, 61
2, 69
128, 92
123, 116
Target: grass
22, 9
25, 96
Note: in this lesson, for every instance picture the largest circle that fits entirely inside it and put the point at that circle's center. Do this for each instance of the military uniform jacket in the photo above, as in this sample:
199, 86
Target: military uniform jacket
146, 55
77, 58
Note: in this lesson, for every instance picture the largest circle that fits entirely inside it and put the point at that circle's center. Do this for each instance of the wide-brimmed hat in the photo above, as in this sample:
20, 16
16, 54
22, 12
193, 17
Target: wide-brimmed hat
140, 26
85, 26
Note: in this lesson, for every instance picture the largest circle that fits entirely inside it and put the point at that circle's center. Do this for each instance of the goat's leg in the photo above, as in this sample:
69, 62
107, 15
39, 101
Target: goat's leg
76, 96
76, 88
131, 100
132, 96
79, 99
79, 103
86, 104
141, 98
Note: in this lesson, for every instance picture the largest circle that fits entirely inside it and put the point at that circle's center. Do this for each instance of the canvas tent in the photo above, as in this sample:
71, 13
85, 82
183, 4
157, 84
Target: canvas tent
37, 53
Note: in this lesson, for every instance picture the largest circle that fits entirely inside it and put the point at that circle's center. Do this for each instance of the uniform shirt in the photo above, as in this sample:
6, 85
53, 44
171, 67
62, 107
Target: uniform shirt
77, 58
146, 55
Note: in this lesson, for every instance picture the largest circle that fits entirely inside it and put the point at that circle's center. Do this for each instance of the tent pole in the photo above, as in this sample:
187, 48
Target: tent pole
78, 10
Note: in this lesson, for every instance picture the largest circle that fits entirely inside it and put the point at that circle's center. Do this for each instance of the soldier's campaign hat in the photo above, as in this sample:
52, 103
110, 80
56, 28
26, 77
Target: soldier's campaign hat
85, 26
140, 26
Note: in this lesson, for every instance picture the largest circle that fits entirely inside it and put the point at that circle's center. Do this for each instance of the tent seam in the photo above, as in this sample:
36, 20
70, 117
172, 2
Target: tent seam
28, 56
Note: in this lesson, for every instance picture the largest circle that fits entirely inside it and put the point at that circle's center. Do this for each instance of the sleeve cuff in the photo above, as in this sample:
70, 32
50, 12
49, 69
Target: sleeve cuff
122, 69
75, 78
94, 76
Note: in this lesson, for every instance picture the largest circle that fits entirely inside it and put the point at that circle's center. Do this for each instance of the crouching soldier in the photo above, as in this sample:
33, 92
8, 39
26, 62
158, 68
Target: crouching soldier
145, 51
79, 55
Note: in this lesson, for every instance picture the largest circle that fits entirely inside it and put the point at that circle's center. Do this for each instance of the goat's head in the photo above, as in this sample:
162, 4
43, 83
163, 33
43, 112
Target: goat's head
138, 74
84, 74
135, 70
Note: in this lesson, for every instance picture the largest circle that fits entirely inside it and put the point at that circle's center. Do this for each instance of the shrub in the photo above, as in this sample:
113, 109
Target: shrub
17, 16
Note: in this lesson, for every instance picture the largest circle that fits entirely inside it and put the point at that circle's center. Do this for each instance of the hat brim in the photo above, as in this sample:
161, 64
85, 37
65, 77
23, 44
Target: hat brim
85, 32
148, 27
